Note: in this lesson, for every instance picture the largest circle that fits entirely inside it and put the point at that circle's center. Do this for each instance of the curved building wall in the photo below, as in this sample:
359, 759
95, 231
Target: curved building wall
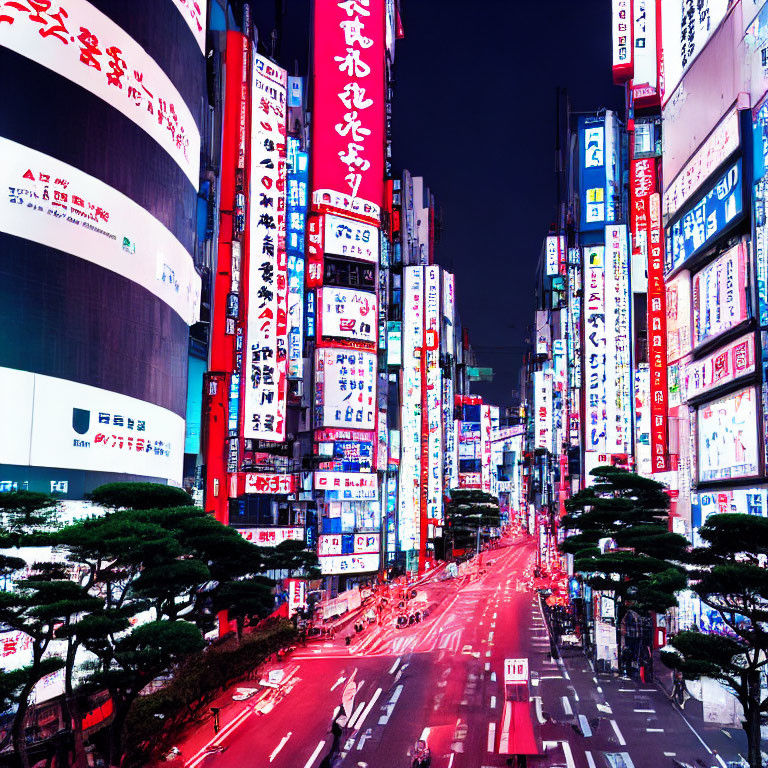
99, 166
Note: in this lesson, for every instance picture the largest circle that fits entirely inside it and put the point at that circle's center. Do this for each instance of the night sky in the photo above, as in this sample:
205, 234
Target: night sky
474, 114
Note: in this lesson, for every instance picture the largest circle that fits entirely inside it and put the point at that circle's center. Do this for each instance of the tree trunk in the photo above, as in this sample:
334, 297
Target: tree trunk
121, 706
17, 732
751, 722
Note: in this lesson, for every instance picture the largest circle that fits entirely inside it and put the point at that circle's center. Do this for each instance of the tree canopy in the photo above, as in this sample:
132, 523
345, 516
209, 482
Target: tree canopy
468, 511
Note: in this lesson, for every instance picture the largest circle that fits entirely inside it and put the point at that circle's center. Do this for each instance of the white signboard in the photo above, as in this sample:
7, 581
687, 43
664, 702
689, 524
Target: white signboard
345, 388
434, 395
88, 48
554, 253
329, 544
367, 543
347, 485
263, 482
720, 145
353, 239
347, 314
595, 348
193, 12
271, 537
60, 423
733, 361
515, 671
54, 204
349, 564
265, 356
542, 404
686, 26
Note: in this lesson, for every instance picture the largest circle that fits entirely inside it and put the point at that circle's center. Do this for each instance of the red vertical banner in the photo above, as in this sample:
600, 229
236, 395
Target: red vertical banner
648, 241
315, 251
348, 134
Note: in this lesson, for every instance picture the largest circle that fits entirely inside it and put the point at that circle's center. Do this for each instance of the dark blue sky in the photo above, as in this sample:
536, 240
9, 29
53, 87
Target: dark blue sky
474, 114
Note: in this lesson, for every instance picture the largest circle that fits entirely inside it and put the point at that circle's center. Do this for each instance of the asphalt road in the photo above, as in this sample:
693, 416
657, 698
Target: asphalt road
443, 679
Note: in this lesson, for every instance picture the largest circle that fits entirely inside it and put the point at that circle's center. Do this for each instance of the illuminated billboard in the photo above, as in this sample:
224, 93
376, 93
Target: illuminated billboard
345, 388
348, 118
719, 296
645, 76
685, 30
88, 48
52, 422
345, 564
193, 13
599, 174
351, 486
261, 482
623, 48
411, 409
678, 308
265, 354
554, 252
727, 440
59, 206
271, 537
595, 416
351, 239
347, 314
733, 361
542, 407
711, 216
433, 465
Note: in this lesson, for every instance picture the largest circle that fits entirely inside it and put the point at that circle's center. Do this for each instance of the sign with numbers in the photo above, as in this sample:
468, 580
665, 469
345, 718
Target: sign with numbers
516, 671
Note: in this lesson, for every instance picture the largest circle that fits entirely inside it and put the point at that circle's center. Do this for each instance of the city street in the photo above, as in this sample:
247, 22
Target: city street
442, 680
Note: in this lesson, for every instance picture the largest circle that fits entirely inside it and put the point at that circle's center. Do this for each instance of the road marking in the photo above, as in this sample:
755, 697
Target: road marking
338, 682
219, 737
493, 677
491, 737
493, 702
568, 754
627, 759
621, 739
649, 711
585, 729
590, 759
487, 665
487, 653
277, 749
550, 677
490, 637
384, 719
425, 734
655, 730
565, 674
574, 694
670, 754
594, 680
626, 690
367, 735
605, 708
393, 667
505, 726
539, 713
647, 690
355, 715
599, 689
567, 706
315, 755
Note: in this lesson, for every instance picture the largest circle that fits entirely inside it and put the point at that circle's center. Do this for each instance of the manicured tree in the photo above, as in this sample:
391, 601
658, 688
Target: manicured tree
467, 513
643, 569
729, 575
292, 558
139, 496
25, 513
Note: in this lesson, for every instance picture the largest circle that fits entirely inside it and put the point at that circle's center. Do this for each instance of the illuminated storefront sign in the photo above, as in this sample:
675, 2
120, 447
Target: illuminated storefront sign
735, 360
595, 426
330, 545
352, 239
295, 317
686, 26
394, 343
485, 447
271, 537
264, 384
719, 296
257, 482
351, 486
345, 388
296, 202
645, 77
88, 48
348, 116
432, 464
678, 307
599, 179
410, 414
554, 254
52, 422
349, 564
714, 212
347, 314
720, 145
621, 26
727, 441
450, 453
193, 13
55, 204
617, 350
314, 251
542, 405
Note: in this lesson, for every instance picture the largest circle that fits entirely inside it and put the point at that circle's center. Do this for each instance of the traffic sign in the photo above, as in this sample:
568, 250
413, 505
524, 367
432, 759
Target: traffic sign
515, 671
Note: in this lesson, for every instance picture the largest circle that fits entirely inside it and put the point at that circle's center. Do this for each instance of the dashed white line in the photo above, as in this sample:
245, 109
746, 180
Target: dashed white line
487, 665
277, 749
493, 702
570, 762
315, 754
648, 711
590, 759
585, 729
620, 738
493, 677
491, 737
394, 666
654, 730
567, 706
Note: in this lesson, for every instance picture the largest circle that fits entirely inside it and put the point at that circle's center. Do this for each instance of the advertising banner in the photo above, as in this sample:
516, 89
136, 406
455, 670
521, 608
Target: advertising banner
686, 26
618, 341
433, 391
315, 251
450, 453
715, 150
599, 178
645, 77
349, 108
297, 199
554, 248
259, 482
51, 422
347, 486
714, 212
351, 239
485, 447
727, 443
193, 12
345, 564
347, 314
394, 343
88, 48
55, 204
271, 537
733, 361
265, 355
295, 317
720, 296
623, 48
410, 414
542, 406
595, 416
678, 310
345, 388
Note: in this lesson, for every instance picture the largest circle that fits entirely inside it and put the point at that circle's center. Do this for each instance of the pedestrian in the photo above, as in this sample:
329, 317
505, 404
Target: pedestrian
215, 711
336, 731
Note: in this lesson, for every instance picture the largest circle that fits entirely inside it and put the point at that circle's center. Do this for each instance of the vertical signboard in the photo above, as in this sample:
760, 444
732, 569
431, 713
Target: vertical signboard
645, 69
621, 23
265, 382
433, 393
410, 417
599, 172
542, 405
485, 447
617, 335
450, 445
297, 200
595, 415
348, 121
